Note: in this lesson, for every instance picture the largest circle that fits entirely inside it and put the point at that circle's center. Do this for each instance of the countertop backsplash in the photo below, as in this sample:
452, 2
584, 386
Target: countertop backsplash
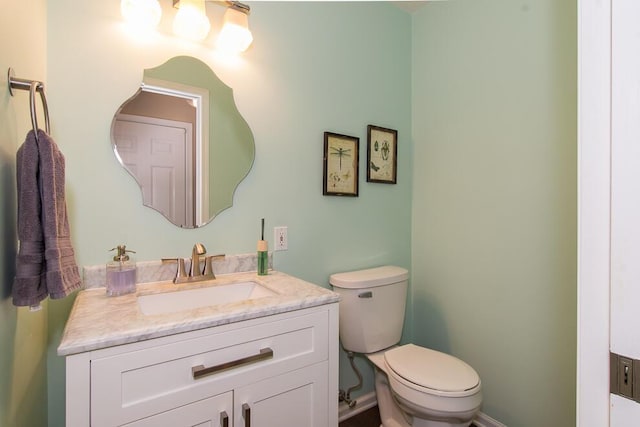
156, 271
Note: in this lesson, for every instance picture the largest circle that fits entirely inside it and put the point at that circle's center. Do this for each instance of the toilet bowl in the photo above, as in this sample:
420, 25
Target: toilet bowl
415, 386
430, 387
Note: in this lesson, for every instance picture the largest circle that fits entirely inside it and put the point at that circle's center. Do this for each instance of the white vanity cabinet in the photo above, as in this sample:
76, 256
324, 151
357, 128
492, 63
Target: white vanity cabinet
273, 371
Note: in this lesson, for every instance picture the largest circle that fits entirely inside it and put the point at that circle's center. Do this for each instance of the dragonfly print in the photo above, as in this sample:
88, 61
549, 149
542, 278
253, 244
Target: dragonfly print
340, 152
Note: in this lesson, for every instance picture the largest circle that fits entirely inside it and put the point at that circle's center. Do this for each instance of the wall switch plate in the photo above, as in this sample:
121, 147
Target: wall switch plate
280, 238
625, 376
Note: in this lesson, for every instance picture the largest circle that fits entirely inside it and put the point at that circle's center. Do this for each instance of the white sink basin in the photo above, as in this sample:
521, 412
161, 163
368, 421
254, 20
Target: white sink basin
188, 299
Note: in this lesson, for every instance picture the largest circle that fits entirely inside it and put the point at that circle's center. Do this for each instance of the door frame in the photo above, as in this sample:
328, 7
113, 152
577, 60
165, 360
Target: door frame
594, 191
199, 97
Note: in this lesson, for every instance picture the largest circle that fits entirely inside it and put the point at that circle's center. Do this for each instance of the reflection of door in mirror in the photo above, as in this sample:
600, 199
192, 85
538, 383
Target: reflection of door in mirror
155, 138
158, 153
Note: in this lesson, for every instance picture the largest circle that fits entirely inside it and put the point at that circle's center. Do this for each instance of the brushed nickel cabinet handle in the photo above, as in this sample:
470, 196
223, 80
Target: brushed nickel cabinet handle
200, 371
246, 414
224, 419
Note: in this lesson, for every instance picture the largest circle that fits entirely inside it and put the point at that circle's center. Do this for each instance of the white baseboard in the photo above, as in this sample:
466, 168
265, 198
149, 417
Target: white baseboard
363, 403
368, 400
484, 420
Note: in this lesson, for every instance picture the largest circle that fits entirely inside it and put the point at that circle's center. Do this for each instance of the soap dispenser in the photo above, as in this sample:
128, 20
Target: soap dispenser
121, 273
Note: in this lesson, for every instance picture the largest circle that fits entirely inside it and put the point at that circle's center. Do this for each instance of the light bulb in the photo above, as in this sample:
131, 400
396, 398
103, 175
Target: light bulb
141, 13
191, 21
235, 36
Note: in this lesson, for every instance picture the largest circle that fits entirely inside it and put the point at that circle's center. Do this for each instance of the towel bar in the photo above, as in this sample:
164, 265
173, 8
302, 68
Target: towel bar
32, 86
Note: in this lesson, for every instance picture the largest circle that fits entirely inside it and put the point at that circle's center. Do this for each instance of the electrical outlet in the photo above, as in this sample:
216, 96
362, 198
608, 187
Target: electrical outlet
281, 242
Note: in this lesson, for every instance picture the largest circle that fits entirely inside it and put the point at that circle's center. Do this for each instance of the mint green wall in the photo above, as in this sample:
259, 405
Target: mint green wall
23, 334
494, 216
314, 67
486, 88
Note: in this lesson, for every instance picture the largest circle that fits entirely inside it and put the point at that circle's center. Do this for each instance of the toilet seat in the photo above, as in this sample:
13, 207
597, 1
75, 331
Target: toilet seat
431, 371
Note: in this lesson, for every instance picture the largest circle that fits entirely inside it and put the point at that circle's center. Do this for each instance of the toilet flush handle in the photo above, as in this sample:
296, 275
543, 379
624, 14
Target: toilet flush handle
368, 294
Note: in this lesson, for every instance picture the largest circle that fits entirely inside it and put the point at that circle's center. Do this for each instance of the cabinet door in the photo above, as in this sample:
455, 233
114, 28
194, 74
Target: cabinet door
295, 399
212, 412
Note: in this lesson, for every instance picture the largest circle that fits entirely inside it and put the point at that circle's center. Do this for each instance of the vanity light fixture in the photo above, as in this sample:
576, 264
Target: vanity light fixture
235, 36
141, 13
191, 21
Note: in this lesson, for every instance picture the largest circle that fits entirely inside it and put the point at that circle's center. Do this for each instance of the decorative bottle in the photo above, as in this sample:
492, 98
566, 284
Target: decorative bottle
263, 258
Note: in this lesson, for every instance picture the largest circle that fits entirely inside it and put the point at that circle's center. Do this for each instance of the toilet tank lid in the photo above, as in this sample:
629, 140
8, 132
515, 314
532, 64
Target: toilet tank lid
370, 277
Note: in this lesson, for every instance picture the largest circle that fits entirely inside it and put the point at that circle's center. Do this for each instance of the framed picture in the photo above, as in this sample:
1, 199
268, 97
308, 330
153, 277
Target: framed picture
340, 165
382, 151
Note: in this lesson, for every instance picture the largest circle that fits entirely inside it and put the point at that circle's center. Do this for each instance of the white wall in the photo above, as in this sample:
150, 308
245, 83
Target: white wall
493, 107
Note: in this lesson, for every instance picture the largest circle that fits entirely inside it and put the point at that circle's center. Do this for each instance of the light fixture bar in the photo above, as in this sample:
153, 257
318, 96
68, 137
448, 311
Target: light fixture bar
233, 4
244, 8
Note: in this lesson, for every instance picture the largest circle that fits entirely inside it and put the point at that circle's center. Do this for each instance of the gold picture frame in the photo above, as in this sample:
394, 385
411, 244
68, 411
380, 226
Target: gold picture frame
340, 165
382, 154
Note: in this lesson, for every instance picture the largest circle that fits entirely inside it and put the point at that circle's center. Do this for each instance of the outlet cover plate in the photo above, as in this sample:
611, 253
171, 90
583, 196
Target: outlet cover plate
280, 239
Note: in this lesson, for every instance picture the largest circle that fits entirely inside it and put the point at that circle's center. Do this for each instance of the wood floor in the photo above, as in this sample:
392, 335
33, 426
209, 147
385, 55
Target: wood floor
368, 418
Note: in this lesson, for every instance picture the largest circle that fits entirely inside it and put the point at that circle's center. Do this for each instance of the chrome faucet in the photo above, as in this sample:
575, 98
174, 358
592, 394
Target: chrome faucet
195, 274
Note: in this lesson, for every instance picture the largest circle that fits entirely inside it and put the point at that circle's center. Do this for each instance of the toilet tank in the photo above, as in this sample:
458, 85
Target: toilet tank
371, 307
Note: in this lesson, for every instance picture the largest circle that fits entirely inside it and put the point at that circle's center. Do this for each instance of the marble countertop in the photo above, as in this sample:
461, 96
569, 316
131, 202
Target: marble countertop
98, 321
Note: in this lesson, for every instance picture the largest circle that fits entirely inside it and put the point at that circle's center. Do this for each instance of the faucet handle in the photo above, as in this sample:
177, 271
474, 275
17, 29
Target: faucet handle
208, 265
180, 272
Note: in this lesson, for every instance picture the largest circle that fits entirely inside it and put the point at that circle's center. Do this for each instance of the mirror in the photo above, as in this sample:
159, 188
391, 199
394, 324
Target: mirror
183, 140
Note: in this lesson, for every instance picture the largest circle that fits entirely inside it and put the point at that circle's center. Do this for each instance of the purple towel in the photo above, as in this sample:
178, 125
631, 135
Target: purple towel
45, 265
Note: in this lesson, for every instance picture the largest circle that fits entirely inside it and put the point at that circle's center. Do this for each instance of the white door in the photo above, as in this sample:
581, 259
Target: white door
609, 205
625, 196
158, 153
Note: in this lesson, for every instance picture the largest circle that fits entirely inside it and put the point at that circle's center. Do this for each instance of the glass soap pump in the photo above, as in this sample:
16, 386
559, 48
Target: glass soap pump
121, 273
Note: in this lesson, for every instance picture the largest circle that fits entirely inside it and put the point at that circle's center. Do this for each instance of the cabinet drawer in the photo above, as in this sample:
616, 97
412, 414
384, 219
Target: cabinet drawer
132, 385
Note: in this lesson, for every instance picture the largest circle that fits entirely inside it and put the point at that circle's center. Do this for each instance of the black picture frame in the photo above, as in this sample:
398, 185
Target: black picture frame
340, 165
382, 155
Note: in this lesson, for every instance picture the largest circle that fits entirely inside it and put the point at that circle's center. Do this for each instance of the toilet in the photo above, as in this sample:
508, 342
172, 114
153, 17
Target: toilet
415, 386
